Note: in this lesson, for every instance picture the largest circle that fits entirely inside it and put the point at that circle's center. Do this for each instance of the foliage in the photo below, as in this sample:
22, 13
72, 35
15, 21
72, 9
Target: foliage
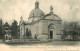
71, 28
14, 28
1, 33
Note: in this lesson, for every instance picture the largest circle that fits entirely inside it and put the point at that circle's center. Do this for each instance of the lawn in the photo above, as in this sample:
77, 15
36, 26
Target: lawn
52, 43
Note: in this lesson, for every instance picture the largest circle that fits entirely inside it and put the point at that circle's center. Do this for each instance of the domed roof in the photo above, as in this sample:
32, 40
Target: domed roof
36, 13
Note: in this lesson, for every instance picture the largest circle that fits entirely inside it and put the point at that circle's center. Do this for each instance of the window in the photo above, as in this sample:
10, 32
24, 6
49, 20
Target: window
21, 30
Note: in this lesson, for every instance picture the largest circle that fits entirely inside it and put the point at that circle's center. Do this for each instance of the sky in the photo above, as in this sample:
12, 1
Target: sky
67, 10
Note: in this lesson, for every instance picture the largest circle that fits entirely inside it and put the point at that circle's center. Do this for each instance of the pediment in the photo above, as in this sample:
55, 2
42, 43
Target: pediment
52, 17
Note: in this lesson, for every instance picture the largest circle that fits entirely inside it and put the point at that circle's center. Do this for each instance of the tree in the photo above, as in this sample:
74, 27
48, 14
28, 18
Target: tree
14, 29
71, 28
1, 34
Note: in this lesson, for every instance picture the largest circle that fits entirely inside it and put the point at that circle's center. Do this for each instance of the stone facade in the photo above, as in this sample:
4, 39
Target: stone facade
42, 26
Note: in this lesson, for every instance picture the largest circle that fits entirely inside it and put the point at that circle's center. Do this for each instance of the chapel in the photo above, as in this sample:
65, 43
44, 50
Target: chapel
40, 25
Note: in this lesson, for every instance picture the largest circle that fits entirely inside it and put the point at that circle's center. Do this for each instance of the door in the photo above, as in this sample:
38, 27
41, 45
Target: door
6, 37
51, 34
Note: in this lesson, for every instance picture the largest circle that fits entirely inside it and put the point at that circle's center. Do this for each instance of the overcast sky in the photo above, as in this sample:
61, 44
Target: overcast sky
68, 10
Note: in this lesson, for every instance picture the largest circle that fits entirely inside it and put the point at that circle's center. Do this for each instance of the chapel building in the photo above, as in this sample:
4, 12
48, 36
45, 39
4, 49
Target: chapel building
41, 26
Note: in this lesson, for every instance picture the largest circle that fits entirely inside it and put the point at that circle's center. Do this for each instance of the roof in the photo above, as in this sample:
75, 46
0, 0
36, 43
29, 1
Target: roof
52, 17
36, 13
6, 25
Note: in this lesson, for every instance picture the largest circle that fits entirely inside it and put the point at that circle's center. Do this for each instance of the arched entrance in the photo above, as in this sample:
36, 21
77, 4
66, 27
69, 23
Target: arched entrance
6, 37
51, 31
51, 34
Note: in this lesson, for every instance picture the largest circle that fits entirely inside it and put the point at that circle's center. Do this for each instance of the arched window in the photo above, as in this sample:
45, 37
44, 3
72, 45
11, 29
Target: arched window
21, 30
27, 32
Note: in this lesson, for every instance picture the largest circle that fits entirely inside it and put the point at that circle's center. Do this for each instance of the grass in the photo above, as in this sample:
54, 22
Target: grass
52, 43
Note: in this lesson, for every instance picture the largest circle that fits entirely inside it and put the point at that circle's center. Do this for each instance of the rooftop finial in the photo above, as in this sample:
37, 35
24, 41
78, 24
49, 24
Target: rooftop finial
36, 4
21, 18
51, 9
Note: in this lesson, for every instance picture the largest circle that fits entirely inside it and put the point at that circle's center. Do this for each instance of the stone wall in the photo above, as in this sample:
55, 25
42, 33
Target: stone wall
41, 29
57, 29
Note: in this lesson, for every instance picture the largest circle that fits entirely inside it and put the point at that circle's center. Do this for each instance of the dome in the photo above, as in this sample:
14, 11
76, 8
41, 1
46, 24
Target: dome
36, 13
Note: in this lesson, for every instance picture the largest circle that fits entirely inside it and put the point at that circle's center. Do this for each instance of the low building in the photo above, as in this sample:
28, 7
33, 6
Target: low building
7, 31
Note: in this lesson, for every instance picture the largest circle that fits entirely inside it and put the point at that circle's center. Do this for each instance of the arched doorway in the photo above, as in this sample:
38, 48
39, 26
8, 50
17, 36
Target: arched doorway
51, 34
6, 37
51, 31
